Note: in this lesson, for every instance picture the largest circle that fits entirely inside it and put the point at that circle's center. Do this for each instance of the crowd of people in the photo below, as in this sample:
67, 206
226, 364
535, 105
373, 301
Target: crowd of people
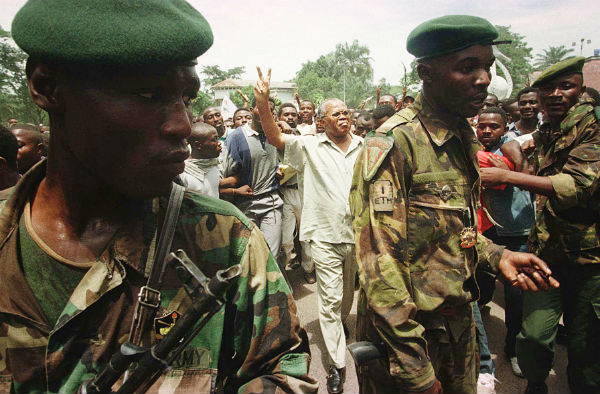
420, 205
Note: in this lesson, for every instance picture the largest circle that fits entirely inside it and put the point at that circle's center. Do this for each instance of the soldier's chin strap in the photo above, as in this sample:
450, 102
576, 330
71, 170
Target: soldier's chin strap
149, 295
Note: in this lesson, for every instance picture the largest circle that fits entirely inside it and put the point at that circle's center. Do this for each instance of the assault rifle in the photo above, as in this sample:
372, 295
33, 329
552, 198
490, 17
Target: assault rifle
208, 295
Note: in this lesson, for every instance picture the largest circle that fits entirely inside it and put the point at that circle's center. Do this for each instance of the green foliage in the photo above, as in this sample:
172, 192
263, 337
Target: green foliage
411, 80
238, 100
519, 53
201, 102
551, 56
15, 101
325, 77
214, 75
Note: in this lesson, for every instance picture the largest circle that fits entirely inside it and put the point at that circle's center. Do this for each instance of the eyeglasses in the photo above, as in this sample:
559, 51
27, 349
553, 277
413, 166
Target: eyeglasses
340, 113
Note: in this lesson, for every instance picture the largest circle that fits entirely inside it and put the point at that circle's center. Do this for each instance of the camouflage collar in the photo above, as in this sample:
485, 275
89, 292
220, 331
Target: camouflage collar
438, 130
574, 115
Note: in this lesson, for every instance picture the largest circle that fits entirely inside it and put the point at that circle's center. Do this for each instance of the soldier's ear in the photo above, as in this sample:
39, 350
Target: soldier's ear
43, 85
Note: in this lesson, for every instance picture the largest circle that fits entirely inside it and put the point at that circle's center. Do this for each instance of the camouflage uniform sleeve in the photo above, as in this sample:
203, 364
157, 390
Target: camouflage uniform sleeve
489, 253
267, 329
381, 247
578, 180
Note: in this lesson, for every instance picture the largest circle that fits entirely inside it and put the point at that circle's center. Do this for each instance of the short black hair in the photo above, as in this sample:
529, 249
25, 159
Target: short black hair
593, 93
382, 111
496, 110
407, 97
240, 110
199, 132
389, 95
253, 104
308, 101
32, 129
286, 105
506, 102
8, 147
525, 90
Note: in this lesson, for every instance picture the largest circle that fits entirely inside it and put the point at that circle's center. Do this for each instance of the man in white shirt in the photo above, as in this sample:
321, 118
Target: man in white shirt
201, 172
326, 162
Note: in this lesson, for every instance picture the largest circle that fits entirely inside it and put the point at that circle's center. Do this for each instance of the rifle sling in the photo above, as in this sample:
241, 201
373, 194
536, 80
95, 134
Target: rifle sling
149, 295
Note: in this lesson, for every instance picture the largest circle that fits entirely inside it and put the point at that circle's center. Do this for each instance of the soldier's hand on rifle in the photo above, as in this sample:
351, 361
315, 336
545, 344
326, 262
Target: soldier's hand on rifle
526, 271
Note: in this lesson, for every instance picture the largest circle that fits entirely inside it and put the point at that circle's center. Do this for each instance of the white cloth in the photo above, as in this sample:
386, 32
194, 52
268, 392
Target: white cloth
202, 176
335, 267
307, 129
326, 176
525, 137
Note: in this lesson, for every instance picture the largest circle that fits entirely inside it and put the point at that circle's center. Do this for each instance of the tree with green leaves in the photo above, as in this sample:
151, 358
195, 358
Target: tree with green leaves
347, 71
551, 56
15, 101
214, 75
520, 56
237, 98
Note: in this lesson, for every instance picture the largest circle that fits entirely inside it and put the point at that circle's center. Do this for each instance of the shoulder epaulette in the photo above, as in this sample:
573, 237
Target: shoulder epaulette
379, 143
401, 117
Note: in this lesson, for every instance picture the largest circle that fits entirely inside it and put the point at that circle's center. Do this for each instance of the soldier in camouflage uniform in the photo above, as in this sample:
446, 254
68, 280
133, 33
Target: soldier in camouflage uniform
413, 199
79, 233
566, 232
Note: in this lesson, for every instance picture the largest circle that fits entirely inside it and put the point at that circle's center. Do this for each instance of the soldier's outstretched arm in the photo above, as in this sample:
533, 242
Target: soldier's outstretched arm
378, 207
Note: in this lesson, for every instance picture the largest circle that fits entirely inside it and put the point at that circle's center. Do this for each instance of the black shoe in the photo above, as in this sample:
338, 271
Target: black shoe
536, 388
346, 332
310, 277
335, 380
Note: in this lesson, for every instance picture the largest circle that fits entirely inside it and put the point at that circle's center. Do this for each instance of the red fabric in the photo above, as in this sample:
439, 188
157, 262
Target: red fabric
483, 222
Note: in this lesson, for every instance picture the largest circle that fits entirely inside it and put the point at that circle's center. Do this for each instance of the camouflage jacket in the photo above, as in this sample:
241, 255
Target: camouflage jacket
413, 200
253, 344
567, 225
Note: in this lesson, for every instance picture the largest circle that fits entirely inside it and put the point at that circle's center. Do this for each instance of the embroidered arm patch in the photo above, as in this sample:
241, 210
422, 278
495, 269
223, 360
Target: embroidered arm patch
382, 196
377, 148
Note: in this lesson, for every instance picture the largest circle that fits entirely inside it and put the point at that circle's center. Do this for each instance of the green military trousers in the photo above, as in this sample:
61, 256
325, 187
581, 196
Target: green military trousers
455, 358
578, 298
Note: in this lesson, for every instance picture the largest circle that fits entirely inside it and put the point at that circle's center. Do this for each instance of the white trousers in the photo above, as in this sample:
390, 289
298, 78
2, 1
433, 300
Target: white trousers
335, 266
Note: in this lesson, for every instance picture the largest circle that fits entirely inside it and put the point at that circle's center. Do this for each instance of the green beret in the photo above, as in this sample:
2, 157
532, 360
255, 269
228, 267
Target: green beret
573, 65
450, 33
112, 32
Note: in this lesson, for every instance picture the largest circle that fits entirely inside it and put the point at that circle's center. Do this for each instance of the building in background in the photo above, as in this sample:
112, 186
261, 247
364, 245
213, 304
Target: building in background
591, 72
283, 91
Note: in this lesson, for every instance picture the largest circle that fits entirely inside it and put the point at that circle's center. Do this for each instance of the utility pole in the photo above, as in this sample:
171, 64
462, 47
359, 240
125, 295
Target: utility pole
581, 46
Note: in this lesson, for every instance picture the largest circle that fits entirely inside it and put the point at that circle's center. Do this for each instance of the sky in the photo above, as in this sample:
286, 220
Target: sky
284, 35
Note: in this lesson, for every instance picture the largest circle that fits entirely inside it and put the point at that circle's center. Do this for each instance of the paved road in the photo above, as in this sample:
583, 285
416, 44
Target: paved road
306, 297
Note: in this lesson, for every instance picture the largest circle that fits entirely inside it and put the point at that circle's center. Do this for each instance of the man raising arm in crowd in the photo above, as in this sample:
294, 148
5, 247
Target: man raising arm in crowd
326, 162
